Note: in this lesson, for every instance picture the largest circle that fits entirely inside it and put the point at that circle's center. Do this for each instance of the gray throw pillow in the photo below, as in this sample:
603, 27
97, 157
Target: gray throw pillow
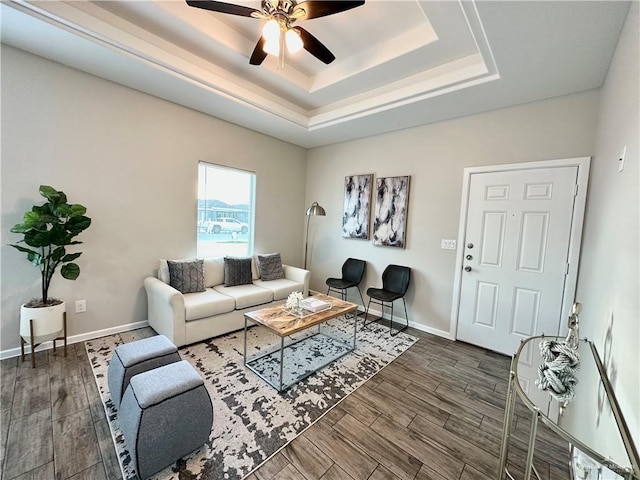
237, 271
270, 267
188, 276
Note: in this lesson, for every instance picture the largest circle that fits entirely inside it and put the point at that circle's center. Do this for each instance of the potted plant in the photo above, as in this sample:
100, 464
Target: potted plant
47, 230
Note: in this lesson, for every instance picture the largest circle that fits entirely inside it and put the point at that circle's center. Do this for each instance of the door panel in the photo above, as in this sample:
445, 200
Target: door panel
517, 234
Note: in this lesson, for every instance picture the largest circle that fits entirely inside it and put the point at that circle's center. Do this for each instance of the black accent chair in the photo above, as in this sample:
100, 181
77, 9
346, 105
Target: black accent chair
352, 273
395, 282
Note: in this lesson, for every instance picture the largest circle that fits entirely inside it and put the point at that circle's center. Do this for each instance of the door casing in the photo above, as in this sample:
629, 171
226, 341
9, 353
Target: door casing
583, 164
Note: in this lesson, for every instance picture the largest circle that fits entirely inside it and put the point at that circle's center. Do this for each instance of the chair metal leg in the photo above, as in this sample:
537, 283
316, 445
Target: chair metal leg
406, 315
366, 313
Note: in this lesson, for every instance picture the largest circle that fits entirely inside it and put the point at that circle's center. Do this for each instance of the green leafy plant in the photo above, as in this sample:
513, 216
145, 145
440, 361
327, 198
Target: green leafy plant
47, 230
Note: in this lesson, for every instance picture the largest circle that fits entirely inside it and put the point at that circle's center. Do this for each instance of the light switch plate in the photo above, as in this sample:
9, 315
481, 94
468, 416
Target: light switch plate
446, 244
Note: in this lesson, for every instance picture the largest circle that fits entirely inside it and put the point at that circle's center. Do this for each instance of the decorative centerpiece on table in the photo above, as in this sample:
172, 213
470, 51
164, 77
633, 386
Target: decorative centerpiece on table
293, 303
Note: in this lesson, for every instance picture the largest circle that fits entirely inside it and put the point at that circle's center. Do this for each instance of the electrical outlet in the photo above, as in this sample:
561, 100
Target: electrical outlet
447, 244
81, 306
623, 154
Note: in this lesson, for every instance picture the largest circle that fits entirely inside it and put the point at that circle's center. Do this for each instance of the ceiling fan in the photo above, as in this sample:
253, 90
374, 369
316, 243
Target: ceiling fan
278, 30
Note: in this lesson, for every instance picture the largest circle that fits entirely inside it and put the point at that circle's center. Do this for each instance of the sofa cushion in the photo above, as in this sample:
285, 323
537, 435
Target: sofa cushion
270, 267
246, 295
206, 304
237, 271
186, 276
280, 288
213, 271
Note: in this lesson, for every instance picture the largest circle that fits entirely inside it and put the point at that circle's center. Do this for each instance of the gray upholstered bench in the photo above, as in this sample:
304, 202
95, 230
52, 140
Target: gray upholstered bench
165, 414
137, 357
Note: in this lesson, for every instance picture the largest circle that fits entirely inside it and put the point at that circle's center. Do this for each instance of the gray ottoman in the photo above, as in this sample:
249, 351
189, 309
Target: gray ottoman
137, 357
165, 414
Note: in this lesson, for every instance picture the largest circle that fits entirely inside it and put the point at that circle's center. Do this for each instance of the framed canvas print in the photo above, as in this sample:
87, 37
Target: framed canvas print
390, 217
357, 206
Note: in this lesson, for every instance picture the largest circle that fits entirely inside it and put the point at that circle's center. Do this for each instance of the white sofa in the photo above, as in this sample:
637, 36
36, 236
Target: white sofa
192, 317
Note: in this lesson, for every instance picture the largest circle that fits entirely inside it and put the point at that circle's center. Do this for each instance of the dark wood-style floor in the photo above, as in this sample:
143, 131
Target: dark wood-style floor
435, 413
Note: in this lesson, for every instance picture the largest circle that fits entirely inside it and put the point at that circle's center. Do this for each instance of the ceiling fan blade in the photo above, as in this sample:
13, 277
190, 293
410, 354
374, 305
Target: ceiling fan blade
322, 8
223, 7
258, 55
314, 46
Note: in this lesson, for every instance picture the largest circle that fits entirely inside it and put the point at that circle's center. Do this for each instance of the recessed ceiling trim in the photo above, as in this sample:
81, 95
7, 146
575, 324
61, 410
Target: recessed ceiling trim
457, 75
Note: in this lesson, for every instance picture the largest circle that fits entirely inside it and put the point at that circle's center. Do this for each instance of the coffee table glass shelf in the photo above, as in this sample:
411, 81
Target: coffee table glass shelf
301, 349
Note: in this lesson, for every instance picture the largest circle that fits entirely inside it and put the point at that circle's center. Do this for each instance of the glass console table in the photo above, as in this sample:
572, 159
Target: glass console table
592, 422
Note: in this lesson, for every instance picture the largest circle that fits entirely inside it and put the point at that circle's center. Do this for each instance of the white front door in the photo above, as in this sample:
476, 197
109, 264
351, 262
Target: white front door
516, 249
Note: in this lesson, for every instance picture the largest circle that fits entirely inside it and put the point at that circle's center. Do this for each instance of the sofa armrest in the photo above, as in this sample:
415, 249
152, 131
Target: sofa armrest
166, 310
299, 275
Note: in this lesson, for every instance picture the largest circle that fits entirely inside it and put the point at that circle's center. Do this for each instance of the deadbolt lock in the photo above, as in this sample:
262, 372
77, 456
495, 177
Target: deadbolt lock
469, 245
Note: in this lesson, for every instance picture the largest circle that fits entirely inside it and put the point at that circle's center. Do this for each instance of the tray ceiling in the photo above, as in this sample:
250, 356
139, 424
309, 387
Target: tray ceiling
398, 63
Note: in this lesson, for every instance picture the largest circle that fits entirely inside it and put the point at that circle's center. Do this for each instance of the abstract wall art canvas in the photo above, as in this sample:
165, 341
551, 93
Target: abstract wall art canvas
390, 217
357, 206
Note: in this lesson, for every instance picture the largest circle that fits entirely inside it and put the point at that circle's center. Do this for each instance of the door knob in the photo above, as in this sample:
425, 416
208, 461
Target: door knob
469, 257
467, 268
469, 245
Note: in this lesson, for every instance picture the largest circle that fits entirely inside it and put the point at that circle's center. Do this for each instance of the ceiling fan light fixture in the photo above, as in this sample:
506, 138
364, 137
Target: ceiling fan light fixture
272, 48
294, 42
271, 32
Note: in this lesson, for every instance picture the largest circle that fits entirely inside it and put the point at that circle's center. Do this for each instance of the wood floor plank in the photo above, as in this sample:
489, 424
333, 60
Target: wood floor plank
470, 473
415, 444
415, 404
68, 396
445, 403
335, 414
336, 473
307, 458
379, 447
288, 473
455, 446
384, 404
5, 421
464, 374
95, 402
43, 472
30, 443
409, 376
107, 450
382, 473
75, 444
95, 472
269, 470
426, 473
471, 401
25, 370
343, 452
31, 395
8, 373
359, 409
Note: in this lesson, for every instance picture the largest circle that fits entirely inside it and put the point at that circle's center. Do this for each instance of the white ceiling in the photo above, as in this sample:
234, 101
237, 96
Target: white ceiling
399, 63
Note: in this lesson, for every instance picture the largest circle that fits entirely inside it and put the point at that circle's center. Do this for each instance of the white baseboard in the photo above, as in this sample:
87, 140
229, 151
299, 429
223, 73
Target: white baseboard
15, 352
418, 326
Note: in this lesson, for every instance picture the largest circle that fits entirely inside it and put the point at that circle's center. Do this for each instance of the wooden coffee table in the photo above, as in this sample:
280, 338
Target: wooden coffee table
270, 365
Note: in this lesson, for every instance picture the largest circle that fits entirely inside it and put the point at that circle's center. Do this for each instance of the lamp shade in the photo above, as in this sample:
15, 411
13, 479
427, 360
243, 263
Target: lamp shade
315, 209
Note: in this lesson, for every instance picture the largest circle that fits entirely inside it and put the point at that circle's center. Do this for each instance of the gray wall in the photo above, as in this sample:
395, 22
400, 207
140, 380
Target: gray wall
435, 156
132, 159
608, 284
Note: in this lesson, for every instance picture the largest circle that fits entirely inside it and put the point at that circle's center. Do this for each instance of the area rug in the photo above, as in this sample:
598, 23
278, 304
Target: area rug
251, 420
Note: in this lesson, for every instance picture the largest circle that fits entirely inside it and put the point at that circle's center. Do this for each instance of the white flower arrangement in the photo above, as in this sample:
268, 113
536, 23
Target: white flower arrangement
293, 300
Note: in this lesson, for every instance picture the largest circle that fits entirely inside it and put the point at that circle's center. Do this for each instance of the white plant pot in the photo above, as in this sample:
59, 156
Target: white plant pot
48, 323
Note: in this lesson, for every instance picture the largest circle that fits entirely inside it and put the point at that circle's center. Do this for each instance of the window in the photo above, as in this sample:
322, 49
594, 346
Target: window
226, 205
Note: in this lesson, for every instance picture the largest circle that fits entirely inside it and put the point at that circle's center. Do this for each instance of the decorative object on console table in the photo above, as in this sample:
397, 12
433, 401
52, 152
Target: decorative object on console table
357, 206
390, 219
313, 210
47, 229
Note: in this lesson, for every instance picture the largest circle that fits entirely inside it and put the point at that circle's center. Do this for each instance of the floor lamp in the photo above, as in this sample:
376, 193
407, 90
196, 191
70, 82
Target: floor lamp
313, 210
